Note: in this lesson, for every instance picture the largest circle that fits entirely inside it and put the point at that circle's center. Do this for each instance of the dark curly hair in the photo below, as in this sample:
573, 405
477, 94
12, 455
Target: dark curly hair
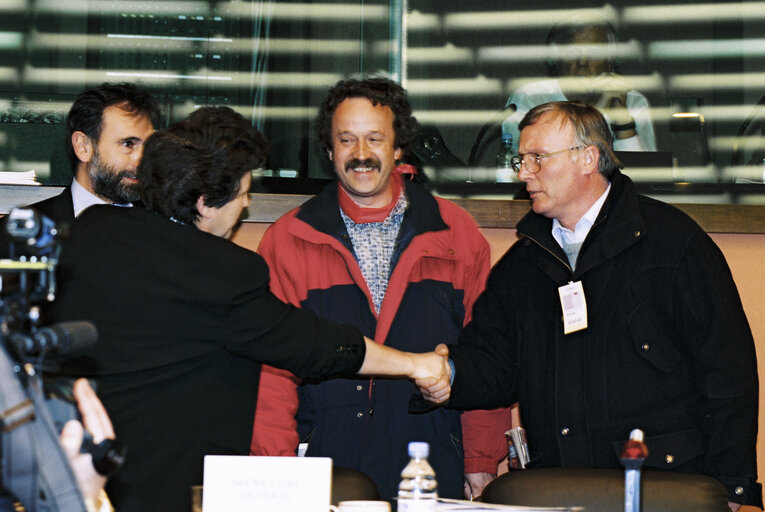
206, 154
87, 112
380, 91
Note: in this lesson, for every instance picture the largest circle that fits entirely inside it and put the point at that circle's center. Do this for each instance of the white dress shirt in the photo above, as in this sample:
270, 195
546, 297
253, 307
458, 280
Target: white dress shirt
82, 198
582, 228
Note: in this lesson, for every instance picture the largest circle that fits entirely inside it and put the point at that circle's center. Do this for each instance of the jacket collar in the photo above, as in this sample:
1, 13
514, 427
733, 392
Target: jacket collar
322, 213
63, 206
619, 222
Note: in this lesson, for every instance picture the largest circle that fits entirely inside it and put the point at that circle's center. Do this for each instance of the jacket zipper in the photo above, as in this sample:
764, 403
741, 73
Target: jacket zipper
566, 263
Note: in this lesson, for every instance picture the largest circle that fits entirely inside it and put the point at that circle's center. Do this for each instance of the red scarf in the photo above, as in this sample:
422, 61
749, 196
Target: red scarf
361, 215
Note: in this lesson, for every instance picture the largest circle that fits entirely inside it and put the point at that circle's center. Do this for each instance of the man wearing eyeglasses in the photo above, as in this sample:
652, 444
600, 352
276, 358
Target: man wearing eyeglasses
613, 311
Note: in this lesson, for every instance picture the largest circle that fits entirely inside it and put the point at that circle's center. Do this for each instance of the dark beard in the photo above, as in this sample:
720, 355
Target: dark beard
108, 182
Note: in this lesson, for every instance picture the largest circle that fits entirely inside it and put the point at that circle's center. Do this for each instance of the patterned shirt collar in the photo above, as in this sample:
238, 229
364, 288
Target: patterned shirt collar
373, 247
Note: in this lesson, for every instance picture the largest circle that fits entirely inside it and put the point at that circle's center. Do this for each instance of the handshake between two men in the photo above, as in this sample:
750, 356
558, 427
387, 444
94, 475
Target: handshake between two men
436, 388
432, 374
429, 370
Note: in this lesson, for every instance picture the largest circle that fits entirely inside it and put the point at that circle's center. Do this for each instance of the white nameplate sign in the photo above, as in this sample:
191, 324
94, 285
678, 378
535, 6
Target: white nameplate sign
266, 484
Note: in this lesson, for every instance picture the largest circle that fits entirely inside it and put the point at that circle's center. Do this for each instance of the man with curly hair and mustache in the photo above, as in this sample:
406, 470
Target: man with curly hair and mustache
377, 251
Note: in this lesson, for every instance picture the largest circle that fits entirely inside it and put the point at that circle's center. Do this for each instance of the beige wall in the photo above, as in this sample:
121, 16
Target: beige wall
745, 255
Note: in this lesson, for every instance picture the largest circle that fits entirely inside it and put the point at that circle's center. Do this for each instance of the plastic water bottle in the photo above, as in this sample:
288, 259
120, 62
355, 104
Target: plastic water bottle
417, 491
505, 173
633, 454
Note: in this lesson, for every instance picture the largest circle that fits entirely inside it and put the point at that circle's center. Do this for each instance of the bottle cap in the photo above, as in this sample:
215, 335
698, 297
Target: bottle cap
507, 137
419, 449
634, 450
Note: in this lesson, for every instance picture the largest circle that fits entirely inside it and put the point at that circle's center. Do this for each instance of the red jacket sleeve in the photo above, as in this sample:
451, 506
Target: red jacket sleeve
483, 431
483, 435
274, 430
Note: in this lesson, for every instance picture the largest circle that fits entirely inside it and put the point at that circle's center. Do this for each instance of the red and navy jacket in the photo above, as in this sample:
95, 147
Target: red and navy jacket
439, 268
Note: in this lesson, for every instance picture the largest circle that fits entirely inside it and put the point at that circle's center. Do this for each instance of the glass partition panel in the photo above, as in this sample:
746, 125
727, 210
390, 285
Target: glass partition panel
270, 60
682, 83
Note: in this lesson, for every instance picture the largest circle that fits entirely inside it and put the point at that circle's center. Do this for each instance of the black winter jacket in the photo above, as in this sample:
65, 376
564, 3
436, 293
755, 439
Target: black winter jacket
667, 349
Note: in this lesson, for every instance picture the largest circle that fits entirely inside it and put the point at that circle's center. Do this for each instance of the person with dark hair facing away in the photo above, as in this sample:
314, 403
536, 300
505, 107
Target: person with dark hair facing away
612, 312
106, 128
185, 316
381, 253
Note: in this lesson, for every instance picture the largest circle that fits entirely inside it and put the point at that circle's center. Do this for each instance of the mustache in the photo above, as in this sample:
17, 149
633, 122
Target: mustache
127, 174
367, 162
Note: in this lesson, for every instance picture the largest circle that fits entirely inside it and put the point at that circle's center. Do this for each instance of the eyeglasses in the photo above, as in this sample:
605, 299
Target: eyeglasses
531, 160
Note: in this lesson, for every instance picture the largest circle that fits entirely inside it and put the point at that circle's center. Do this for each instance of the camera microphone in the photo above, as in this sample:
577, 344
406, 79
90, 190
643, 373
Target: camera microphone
61, 337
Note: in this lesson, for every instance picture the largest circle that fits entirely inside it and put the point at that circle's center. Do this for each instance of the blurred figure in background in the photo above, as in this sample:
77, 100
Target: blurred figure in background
584, 50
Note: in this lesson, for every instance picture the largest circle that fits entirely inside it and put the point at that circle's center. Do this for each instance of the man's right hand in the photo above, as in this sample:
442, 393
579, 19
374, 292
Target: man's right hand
430, 370
613, 89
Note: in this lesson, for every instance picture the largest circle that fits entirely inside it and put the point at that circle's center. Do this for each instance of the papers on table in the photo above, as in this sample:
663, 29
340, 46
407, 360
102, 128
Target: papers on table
447, 505
266, 484
18, 178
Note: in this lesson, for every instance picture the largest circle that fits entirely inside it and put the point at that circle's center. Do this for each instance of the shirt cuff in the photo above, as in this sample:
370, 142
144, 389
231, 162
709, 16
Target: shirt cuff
481, 465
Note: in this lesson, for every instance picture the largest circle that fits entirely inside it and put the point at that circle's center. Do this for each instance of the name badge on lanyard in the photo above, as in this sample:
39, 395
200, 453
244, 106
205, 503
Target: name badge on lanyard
574, 307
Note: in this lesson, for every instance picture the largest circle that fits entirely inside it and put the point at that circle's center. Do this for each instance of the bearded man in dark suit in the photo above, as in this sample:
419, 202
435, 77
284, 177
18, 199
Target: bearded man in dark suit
106, 128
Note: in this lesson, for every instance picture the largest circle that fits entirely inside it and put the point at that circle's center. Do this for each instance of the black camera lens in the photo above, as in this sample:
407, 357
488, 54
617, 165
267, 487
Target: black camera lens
108, 456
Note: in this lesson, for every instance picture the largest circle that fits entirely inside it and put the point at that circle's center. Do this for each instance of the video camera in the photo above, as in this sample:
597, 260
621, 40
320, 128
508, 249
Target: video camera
28, 279
27, 401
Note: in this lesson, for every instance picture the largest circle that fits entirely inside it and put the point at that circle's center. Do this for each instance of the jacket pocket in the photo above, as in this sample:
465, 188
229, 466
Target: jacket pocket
683, 450
652, 340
